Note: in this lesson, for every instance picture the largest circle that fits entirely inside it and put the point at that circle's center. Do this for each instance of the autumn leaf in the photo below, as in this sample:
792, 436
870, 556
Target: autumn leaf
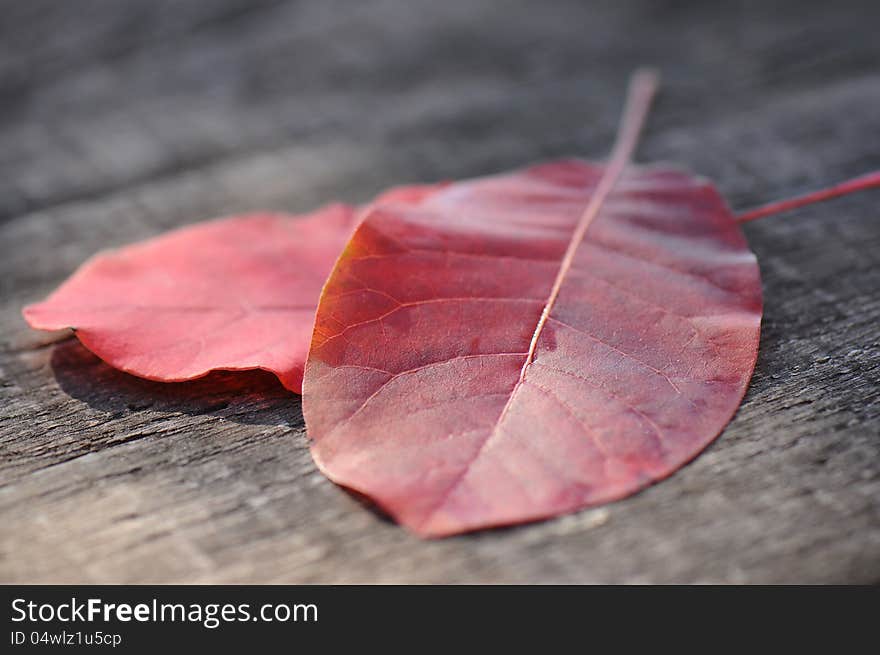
230, 294
527, 344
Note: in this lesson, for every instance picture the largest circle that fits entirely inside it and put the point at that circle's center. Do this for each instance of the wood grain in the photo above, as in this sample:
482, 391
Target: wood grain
121, 119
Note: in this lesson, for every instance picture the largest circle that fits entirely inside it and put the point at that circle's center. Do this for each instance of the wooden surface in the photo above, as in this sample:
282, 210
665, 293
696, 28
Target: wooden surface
119, 120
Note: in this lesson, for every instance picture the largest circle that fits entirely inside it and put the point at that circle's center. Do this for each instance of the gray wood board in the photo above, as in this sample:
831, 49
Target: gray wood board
119, 120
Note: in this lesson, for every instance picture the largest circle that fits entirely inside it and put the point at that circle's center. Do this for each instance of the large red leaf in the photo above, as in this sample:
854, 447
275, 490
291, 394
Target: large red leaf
233, 294
413, 392
484, 359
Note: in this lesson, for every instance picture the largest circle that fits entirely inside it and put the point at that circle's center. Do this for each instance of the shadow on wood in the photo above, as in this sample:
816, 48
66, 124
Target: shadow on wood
249, 397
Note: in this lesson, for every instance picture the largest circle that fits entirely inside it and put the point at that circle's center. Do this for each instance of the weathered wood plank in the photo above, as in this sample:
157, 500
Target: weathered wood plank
157, 119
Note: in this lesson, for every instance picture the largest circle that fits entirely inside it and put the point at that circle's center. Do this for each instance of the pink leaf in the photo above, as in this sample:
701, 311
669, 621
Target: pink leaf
413, 392
233, 294
528, 344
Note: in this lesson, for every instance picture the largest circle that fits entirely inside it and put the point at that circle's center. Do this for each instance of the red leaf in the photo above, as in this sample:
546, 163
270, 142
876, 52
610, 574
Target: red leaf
232, 294
477, 362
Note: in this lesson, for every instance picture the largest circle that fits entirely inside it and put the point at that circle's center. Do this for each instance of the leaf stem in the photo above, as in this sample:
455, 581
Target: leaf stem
642, 87
861, 183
